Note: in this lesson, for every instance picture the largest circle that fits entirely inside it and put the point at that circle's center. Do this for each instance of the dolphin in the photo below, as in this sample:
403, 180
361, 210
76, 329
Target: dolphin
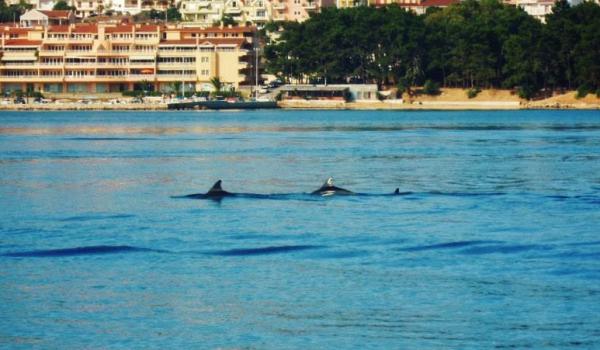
216, 192
329, 189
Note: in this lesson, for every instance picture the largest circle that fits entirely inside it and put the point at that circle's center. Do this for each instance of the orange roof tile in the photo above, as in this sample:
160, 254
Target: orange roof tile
122, 28
147, 28
13, 29
22, 42
56, 14
58, 29
85, 28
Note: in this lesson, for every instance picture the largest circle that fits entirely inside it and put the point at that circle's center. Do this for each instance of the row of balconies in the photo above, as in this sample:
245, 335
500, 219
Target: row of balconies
91, 78
61, 65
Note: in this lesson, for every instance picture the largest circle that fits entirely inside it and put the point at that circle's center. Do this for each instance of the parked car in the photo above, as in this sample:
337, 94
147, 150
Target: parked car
19, 100
275, 84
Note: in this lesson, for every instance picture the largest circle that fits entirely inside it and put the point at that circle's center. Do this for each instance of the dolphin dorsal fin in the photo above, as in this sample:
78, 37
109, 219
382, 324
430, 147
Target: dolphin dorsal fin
216, 187
397, 191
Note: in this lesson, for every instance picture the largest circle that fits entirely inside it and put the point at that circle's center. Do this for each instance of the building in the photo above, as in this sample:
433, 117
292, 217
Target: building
250, 12
418, 6
536, 8
339, 92
46, 17
99, 58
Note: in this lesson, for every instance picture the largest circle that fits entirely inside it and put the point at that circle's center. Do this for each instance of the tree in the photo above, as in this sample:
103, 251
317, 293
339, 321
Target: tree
13, 12
472, 44
173, 14
62, 5
217, 84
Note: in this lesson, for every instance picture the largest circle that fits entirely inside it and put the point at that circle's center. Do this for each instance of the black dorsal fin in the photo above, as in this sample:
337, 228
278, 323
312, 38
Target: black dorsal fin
397, 191
216, 187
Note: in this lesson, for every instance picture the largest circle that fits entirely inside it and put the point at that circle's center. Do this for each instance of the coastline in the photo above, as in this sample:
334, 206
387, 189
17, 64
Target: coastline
448, 99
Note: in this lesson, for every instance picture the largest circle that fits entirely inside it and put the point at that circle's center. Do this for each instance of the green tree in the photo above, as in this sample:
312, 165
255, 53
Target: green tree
62, 5
217, 84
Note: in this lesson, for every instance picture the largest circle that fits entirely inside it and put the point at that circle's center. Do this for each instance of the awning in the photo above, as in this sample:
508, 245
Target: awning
18, 58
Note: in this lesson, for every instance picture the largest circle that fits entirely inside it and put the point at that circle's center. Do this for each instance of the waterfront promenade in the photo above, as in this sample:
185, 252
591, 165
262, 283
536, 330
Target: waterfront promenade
449, 99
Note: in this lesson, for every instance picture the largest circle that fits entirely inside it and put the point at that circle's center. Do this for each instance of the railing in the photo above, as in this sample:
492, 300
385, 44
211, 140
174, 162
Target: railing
13, 64
52, 52
176, 64
177, 76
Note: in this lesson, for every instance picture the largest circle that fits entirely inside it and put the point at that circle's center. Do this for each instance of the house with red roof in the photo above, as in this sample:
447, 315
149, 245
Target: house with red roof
46, 17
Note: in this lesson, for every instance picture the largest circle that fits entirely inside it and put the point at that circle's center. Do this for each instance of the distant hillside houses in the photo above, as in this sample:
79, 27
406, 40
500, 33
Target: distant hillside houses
206, 13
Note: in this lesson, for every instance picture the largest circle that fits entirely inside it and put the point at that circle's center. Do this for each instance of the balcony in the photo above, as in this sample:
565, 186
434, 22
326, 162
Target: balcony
83, 78
176, 77
142, 65
110, 77
141, 77
80, 65
279, 6
57, 65
76, 53
166, 65
18, 78
51, 53
309, 6
233, 10
27, 65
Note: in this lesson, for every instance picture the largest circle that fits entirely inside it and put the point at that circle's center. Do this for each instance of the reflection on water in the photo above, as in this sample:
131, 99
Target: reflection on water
493, 243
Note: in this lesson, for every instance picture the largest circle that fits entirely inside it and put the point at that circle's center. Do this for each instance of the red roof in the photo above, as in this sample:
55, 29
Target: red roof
85, 28
14, 30
124, 28
146, 28
22, 42
58, 29
57, 14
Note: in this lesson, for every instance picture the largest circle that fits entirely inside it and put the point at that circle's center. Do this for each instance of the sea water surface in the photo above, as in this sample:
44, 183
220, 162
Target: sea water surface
496, 245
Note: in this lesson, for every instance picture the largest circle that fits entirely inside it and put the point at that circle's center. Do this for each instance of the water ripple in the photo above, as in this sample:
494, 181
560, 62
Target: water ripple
265, 250
91, 250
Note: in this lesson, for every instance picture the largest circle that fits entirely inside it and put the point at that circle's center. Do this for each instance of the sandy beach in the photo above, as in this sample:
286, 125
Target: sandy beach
448, 99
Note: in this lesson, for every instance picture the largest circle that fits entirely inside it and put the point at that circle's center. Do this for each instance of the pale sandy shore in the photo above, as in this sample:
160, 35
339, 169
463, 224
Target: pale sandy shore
449, 99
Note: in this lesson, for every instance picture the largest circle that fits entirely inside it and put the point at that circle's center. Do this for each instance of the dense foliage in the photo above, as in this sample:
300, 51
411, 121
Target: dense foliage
473, 44
63, 6
172, 15
11, 13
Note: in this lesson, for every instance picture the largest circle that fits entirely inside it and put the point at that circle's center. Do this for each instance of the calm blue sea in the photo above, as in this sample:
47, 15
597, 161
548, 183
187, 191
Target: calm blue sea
496, 246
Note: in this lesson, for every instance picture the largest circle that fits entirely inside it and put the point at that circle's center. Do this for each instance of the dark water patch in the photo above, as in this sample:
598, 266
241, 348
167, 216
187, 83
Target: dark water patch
449, 245
586, 198
578, 255
504, 249
576, 244
97, 217
91, 250
109, 138
265, 250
